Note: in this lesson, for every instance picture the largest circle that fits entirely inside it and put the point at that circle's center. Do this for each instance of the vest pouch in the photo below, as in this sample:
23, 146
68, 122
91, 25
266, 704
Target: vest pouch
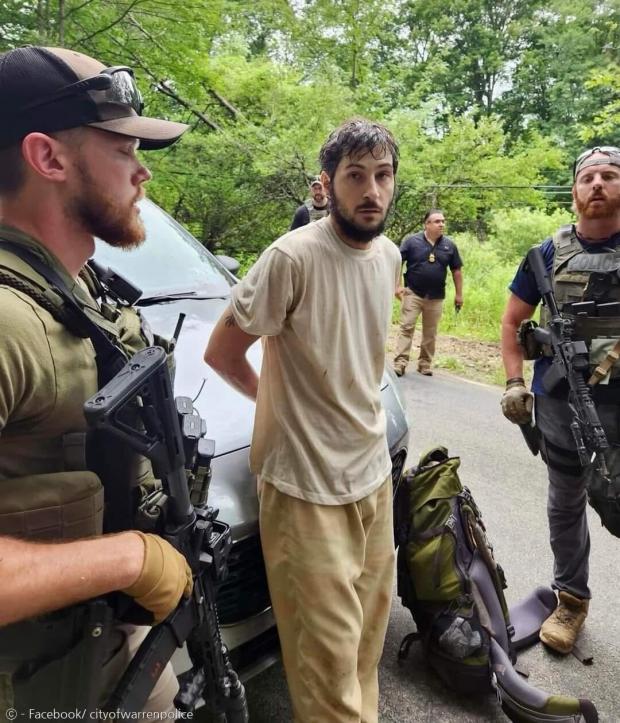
54, 661
569, 287
56, 506
604, 494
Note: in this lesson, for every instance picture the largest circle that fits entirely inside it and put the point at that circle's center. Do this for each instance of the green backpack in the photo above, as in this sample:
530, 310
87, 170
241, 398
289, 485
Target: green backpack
437, 535
448, 578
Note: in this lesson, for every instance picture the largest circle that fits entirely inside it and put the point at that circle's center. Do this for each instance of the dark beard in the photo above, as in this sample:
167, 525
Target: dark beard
104, 217
609, 208
350, 229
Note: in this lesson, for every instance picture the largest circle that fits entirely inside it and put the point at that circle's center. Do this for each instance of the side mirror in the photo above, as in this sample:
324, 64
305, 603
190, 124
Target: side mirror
229, 263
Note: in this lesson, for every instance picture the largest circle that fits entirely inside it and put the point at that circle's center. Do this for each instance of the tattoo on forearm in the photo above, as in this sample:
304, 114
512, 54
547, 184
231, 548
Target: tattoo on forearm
230, 321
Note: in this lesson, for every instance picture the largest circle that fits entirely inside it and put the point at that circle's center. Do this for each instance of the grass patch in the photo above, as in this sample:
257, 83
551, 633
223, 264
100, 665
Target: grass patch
450, 363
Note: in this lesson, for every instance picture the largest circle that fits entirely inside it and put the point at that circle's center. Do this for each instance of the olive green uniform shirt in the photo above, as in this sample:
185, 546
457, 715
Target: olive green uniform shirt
46, 375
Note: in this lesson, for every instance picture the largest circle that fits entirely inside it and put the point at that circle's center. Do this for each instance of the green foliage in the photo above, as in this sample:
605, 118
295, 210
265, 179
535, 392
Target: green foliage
246, 261
485, 291
514, 231
606, 122
489, 100
468, 172
450, 362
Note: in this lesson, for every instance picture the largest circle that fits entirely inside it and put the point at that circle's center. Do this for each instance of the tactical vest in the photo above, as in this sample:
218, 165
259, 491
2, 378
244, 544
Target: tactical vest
86, 457
572, 270
315, 213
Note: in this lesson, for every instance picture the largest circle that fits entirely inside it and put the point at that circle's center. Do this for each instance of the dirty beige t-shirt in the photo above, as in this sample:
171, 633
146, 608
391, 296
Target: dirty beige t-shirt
324, 308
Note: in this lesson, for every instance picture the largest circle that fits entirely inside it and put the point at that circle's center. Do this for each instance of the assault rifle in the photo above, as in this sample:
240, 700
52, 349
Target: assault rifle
570, 363
171, 434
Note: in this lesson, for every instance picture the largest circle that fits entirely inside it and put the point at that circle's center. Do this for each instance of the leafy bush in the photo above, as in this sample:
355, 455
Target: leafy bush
513, 231
246, 261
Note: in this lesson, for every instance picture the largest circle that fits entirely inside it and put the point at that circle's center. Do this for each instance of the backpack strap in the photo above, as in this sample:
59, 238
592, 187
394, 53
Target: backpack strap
434, 455
408, 640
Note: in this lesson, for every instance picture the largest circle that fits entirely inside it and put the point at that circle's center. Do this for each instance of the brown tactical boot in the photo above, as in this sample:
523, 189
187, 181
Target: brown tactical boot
561, 628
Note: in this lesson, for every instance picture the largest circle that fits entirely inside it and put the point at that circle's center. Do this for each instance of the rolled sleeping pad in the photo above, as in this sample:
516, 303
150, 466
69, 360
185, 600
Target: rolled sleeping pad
524, 703
528, 615
489, 606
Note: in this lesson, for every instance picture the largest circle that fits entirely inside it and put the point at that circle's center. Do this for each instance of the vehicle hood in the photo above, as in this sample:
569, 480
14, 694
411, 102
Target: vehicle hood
229, 415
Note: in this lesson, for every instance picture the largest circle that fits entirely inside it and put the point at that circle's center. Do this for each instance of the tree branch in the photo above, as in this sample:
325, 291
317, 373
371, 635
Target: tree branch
118, 20
77, 8
166, 90
146, 33
234, 112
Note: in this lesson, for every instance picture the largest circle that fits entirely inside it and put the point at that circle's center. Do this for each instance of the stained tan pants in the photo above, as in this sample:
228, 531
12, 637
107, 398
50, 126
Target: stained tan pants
330, 571
412, 306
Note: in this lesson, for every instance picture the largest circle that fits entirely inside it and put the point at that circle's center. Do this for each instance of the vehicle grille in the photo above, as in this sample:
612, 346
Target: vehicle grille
244, 592
263, 648
398, 463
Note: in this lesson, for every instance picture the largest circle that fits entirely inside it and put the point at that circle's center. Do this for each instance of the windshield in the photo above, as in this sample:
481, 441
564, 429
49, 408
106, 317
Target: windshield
170, 261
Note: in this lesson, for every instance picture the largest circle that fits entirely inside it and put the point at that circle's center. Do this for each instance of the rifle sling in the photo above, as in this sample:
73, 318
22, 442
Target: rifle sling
109, 358
602, 370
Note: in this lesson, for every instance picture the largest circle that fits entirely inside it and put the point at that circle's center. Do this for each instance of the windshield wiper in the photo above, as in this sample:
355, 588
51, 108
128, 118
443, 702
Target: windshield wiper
196, 295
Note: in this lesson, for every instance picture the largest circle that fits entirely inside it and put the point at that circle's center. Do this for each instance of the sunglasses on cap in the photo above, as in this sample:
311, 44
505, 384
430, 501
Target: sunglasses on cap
612, 151
117, 85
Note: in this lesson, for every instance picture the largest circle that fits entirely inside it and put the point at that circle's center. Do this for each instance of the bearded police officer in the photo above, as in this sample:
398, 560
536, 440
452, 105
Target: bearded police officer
314, 208
582, 261
69, 131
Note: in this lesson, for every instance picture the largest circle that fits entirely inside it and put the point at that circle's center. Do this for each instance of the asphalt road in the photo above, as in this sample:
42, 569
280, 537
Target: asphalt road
510, 488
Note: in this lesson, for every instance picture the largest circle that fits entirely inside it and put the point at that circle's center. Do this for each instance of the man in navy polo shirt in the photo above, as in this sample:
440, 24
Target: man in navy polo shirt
428, 255
573, 256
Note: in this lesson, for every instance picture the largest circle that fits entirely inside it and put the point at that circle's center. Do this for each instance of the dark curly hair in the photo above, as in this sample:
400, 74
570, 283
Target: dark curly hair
356, 137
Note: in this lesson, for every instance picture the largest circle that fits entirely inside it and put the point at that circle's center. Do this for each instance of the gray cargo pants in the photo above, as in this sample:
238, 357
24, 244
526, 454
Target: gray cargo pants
567, 496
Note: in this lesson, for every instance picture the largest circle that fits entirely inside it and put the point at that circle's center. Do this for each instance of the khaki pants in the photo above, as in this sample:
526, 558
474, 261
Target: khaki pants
412, 306
330, 571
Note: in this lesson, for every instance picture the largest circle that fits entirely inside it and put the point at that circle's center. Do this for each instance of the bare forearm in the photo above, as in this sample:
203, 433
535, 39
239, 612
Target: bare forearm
516, 311
239, 373
512, 355
457, 277
226, 354
48, 576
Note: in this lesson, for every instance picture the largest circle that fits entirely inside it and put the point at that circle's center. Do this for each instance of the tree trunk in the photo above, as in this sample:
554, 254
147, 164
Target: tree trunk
61, 22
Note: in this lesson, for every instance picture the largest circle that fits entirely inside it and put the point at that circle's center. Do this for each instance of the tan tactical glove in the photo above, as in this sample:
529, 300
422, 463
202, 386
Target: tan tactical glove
165, 576
517, 402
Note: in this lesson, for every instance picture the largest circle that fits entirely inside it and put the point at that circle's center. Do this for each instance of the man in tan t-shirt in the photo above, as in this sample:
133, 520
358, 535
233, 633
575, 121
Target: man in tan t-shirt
321, 295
